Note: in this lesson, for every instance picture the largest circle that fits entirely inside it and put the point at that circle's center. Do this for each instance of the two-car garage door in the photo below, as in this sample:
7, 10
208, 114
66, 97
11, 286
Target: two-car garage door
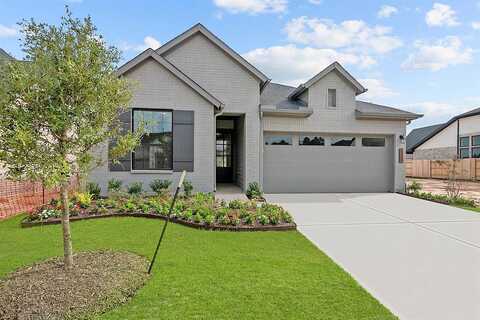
317, 163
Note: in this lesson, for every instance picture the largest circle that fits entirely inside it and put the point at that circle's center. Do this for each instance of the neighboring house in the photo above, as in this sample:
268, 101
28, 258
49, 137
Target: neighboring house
4, 56
221, 119
457, 138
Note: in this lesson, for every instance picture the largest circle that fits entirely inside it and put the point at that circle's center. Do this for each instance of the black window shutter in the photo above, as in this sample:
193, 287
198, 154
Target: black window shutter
183, 140
124, 162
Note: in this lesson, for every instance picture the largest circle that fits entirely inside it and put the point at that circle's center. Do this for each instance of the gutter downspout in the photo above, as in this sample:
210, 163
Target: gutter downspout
458, 138
215, 149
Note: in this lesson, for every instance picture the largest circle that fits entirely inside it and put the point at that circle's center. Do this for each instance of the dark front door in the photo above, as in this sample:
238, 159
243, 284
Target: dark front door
224, 157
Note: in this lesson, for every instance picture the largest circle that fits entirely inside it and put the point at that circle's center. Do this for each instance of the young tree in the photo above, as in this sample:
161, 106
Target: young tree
61, 104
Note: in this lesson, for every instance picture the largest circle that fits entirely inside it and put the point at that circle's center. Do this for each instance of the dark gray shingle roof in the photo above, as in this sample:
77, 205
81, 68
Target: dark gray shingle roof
275, 94
418, 134
368, 107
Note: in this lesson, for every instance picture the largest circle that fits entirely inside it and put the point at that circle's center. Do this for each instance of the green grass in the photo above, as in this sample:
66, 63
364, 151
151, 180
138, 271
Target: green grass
208, 275
475, 209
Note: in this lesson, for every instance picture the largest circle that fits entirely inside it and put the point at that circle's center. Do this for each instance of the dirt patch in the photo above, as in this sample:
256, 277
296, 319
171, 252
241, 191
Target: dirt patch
98, 282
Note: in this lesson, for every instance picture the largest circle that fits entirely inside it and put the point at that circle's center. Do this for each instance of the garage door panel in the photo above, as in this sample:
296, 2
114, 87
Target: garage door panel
303, 169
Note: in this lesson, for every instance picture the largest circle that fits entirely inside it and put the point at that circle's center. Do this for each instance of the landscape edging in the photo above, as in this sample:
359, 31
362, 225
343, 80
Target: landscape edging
282, 227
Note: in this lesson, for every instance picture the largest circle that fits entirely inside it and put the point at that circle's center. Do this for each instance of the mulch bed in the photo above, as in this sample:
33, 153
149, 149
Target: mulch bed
98, 282
217, 227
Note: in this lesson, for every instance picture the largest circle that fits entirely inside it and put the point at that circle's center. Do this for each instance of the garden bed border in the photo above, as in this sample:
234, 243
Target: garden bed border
279, 227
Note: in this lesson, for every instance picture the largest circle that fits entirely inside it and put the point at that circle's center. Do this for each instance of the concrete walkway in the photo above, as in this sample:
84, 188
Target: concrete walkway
420, 259
229, 191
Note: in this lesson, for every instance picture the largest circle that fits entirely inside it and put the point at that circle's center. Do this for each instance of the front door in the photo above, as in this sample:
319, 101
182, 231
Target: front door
224, 156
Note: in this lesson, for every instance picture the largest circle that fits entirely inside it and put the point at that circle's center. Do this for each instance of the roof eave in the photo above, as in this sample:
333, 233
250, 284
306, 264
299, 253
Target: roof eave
383, 116
273, 111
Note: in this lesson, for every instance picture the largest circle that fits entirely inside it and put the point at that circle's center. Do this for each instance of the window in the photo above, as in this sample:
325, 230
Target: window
155, 151
343, 141
278, 141
475, 141
373, 142
311, 141
332, 97
464, 153
224, 150
476, 152
464, 143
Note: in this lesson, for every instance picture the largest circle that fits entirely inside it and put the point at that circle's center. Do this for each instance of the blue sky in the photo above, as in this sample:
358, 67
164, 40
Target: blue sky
421, 56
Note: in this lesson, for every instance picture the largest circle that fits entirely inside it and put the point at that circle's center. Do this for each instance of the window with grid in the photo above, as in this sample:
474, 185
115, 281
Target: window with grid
464, 144
224, 150
475, 146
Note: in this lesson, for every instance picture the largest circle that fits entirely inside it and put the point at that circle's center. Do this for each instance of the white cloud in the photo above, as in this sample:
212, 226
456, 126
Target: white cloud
387, 11
435, 109
292, 65
6, 32
445, 52
148, 42
252, 6
315, 2
354, 35
376, 89
476, 25
441, 15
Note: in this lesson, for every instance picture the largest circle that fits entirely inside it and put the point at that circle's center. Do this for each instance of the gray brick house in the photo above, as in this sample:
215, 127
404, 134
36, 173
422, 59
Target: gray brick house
221, 119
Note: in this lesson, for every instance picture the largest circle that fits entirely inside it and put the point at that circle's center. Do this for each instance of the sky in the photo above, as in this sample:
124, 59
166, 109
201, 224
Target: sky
420, 56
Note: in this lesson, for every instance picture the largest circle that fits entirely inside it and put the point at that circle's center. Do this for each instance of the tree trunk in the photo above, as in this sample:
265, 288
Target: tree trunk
67, 239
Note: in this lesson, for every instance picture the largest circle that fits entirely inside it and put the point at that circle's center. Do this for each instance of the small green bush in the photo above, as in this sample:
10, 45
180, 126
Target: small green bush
254, 191
187, 188
209, 219
160, 186
236, 204
114, 185
129, 206
414, 187
94, 190
83, 199
135, 188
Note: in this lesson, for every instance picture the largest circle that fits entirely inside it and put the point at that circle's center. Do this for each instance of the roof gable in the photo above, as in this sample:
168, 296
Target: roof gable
150, 53
199, 28
332, 67
439, 128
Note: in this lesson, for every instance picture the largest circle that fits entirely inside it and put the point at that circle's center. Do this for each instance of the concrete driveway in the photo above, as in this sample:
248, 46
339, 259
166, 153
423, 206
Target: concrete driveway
420, 259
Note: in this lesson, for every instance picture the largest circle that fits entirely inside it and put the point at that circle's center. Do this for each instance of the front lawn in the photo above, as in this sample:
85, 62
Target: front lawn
205, 274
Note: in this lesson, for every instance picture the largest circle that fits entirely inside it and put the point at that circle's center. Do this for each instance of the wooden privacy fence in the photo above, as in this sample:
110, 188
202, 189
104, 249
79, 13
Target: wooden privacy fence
466, 169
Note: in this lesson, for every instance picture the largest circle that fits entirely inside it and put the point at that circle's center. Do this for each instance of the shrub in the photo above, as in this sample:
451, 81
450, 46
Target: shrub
197, 218
135, 188
128, 206
187, 188
263, 219
114, 185
225, 220
414, 187
254, 191
160, 186
83, 199
48, 213
209, 219
94, 190
236, 204
463, 202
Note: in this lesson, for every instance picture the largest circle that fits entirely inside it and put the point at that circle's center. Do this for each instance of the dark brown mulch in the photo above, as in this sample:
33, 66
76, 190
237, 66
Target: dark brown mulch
99, 281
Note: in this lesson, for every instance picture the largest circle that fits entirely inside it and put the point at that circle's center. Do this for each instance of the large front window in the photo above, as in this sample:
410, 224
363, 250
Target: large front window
155, 150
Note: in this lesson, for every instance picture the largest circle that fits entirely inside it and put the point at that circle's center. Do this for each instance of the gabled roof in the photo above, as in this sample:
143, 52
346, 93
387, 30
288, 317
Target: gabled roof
359, 89
276, 94
150, 53
368, 110
199, 28
5, 56
418, 134
471, 113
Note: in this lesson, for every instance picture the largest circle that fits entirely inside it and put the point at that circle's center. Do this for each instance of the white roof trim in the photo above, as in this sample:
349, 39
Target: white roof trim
150, 53
385, 116
199, 28
334, 66
273, 111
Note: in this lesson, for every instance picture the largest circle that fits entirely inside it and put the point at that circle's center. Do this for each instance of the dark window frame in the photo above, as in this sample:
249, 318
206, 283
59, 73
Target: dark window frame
353, 139
278, 144
473, 138
132, 157
302, 138
375, 146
